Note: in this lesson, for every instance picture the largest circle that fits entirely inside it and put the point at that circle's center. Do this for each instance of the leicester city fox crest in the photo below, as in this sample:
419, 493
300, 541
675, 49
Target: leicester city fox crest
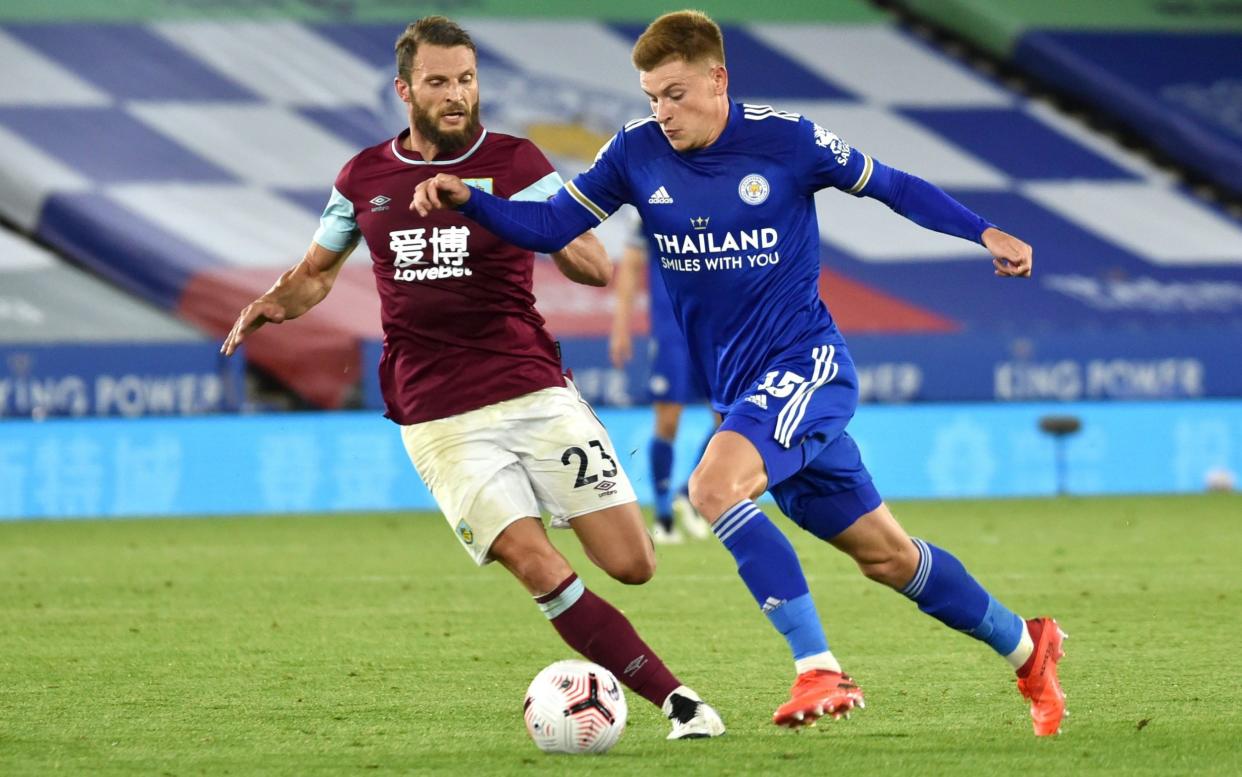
839, 148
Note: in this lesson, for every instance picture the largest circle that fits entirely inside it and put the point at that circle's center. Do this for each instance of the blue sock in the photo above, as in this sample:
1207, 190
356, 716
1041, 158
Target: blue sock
660, 453
943, 589
771, 570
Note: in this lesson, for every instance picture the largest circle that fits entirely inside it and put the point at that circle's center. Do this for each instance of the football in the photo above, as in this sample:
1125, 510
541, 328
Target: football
575, 707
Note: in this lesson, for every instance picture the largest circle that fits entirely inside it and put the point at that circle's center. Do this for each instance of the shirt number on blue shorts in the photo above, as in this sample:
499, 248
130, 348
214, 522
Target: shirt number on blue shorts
788, 382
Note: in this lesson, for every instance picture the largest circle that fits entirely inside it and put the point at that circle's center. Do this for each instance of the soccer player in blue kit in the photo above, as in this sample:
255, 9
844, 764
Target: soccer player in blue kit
674, 383
737, 239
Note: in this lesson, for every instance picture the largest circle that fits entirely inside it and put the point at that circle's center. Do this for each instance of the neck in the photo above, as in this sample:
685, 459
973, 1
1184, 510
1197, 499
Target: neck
416, 142
722, 121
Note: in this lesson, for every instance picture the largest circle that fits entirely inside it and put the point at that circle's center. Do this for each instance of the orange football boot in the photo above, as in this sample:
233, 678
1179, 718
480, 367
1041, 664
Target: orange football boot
816, 693
1037, 679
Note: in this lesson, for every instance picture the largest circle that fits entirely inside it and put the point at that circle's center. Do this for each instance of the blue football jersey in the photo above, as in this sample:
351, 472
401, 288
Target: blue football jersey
733, 230
660, 308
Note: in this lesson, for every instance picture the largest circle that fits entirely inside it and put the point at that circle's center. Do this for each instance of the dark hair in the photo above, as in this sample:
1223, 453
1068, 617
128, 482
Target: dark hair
690, 36
434, 31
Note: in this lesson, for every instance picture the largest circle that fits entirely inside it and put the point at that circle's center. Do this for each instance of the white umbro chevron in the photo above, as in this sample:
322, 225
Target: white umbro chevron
660, 197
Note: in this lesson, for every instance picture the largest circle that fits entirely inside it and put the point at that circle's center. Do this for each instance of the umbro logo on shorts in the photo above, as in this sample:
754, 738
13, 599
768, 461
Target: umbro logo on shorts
660, 197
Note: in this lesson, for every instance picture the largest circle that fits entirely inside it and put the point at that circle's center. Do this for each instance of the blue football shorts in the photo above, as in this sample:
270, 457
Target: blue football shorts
673, 379
795, 415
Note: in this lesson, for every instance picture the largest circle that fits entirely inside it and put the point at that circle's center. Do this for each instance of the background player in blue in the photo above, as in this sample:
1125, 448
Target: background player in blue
672, 384
726, 196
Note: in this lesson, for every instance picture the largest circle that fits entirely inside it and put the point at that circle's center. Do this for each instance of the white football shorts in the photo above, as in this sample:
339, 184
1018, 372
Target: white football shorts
543, 452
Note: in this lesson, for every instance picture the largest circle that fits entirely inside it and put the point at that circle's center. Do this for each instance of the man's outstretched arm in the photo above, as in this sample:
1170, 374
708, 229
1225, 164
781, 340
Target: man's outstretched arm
929, 206
546, 227
299, 289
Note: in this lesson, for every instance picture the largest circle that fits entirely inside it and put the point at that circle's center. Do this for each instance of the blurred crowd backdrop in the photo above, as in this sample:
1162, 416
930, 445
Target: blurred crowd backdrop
162, 161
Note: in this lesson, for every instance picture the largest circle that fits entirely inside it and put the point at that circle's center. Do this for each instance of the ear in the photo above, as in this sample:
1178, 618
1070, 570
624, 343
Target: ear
403, 89
720, 79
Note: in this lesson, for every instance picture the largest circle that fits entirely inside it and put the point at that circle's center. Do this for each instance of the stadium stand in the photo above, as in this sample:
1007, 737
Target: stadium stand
223, 138
1188, 102
73, 345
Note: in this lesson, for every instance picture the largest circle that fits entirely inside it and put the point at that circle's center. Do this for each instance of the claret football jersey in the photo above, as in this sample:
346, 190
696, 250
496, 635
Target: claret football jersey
459, 320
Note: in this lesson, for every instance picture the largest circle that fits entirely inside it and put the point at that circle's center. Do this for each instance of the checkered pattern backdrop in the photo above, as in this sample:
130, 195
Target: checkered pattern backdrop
187, 162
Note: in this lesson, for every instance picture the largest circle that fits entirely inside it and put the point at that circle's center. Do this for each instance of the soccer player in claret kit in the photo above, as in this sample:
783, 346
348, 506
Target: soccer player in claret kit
468, 371
725, 192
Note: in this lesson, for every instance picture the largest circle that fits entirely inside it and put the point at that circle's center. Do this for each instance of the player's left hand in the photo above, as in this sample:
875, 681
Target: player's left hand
1011, 257
620, 348
439, 193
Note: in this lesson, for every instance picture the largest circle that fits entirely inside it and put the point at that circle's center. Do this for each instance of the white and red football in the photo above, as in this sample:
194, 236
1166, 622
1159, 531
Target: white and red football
575, 707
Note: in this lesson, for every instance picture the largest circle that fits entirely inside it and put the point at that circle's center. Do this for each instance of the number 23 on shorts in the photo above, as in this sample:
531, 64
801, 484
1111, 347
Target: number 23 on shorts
583, 460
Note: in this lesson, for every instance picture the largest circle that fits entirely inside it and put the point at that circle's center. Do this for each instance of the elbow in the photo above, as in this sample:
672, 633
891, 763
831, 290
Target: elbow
557, 243
541, 244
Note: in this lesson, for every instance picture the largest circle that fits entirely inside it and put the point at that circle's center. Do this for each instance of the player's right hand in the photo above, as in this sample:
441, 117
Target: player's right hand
439, 193
255, 315
620, 348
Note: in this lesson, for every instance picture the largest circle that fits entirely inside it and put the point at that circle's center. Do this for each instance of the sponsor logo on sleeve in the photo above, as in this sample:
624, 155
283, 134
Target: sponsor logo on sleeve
482, 184
829, 140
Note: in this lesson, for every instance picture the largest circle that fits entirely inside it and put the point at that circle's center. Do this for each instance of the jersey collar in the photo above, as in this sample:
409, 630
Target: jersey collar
731, 125
401, 154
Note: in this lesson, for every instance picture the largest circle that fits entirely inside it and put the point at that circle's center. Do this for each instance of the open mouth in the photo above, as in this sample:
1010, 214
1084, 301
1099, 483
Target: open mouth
453, 117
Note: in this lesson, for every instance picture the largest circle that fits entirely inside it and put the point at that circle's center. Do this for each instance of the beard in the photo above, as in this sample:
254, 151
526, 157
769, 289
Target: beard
428, 125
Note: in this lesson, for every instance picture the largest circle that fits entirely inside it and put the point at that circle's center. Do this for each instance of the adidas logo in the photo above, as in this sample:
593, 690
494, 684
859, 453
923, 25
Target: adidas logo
660, 197
772, 604
758, 399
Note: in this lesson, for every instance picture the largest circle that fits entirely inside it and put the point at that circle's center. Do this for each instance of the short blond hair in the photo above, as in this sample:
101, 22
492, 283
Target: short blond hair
690, 36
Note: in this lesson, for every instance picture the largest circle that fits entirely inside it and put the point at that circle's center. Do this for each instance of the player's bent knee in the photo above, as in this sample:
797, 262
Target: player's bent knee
892, 568
532, 560
712, 495
539, 575
635, 567
634, 571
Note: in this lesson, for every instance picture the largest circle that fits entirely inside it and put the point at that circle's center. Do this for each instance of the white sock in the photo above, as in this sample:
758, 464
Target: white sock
825, 660
1023, 651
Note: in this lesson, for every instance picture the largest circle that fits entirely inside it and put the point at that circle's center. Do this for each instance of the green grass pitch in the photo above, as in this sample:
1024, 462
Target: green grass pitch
371, 645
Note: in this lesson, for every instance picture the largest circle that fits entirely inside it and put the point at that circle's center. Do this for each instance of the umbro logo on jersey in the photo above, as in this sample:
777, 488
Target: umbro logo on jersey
660, 197
758, 399
380, 203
